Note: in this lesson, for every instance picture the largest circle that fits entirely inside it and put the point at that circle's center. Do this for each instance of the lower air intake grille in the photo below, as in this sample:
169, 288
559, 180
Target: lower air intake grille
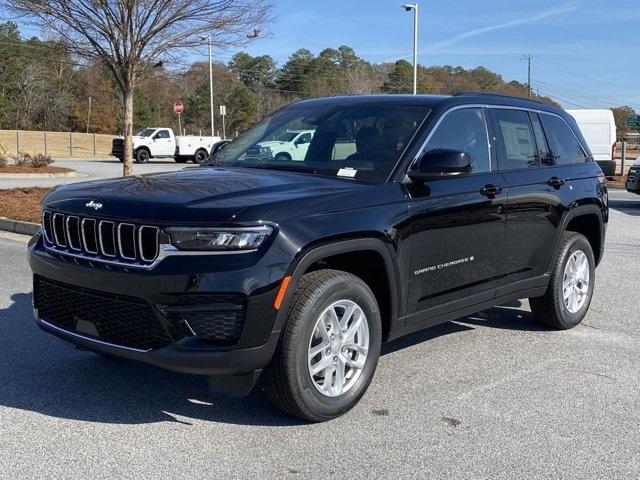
125, 321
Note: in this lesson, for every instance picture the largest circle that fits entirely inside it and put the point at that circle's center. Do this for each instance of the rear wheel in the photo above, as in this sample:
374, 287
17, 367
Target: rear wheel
142, 156
200, 157
329, 348
568, 296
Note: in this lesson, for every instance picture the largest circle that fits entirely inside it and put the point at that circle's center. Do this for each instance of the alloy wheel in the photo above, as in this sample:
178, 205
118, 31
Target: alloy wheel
575, 281
338, 348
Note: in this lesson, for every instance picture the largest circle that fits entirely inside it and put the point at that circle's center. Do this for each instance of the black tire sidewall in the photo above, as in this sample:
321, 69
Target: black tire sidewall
357, 291
568, 319
202, 160
142, 156
282, 157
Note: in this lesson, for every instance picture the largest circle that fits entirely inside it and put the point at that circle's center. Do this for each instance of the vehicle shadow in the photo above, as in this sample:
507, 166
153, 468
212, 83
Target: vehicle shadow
630, 207
42, 374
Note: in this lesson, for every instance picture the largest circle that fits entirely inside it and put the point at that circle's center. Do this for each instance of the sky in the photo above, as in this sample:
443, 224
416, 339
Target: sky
584, 52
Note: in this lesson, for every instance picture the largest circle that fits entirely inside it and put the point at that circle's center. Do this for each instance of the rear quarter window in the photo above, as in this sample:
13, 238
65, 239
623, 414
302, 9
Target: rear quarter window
565, 147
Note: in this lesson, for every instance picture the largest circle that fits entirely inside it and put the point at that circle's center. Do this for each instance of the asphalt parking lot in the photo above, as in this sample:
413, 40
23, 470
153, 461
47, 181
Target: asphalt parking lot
489, 396
93, 169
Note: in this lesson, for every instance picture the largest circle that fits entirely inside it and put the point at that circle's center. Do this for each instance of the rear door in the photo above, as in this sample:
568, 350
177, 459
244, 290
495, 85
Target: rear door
457, 228
538, 194
581, 172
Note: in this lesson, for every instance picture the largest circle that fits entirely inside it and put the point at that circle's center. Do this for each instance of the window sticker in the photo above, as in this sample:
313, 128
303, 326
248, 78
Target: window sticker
347, 172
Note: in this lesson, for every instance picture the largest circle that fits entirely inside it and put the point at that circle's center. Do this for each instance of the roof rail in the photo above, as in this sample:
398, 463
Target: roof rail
495, 94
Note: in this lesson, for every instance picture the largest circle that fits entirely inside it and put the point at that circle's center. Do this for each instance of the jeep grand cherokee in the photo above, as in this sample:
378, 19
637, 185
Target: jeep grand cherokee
406, 212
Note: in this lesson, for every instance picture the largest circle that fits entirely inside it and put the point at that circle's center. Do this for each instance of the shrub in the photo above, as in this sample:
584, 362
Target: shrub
40, 160
4, 160
23, 159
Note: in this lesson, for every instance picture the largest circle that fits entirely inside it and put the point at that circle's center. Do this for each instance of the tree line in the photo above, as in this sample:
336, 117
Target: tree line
44, 87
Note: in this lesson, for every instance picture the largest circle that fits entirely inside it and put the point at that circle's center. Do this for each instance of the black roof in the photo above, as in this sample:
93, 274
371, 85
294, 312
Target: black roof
433, 101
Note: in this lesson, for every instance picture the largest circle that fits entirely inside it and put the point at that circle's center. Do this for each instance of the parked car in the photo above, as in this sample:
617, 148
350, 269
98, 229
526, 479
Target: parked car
298, 270
599, 129
632, 183
155, 142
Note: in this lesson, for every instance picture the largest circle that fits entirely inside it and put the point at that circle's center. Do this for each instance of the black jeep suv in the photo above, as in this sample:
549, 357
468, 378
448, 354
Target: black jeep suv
406, 211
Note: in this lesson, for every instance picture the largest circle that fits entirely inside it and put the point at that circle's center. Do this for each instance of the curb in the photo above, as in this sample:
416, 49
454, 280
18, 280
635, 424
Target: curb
40, 175
16, 226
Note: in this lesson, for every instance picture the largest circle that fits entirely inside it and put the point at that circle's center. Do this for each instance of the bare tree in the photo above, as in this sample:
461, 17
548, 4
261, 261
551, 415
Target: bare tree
129, 37
361, 80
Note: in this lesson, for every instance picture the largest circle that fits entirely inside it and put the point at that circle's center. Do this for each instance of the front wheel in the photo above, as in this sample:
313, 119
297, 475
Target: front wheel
329, 348
142, 156
568, 296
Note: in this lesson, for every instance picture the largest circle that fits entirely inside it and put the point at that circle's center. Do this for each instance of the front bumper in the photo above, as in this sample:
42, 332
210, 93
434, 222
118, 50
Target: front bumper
632, 183
161, 291
172, 357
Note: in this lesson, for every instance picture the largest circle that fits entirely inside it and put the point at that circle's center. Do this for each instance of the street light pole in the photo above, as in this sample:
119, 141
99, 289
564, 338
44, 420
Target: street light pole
209, 41
408, 7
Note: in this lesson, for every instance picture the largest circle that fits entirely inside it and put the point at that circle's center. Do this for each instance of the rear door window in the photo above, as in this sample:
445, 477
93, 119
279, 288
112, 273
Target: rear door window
518, 139
565, 147
544, 153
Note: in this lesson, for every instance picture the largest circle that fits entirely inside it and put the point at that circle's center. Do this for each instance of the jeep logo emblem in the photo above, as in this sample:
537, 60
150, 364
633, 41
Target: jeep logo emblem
94, 205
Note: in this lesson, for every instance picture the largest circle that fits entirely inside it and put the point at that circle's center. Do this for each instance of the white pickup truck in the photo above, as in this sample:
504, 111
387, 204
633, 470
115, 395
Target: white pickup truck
156, 142
288, 145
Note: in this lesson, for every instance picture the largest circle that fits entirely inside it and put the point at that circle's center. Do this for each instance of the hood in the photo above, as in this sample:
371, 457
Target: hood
204, 195
272, 143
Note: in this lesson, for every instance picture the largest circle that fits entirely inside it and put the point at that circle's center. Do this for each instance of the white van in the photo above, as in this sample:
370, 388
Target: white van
599, 129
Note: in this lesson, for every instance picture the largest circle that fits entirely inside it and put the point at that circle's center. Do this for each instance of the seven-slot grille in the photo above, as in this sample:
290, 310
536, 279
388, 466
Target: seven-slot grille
101, 240
633, 174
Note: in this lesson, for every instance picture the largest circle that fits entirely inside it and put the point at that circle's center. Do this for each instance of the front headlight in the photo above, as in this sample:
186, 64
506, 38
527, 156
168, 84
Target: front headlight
197, 238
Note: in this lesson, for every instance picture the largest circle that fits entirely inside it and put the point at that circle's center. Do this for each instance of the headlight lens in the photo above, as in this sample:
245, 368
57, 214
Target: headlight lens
249, 238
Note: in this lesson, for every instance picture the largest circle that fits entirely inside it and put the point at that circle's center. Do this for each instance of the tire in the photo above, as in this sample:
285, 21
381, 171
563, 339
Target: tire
289, 384
200, 157
180, 159
282, 157
553, 308
142, 155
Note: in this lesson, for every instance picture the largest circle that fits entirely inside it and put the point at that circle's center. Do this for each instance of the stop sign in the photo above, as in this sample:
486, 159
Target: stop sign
178, 107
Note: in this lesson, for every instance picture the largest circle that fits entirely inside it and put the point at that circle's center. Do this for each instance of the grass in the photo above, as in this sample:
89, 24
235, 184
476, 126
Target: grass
22, 203
11, 168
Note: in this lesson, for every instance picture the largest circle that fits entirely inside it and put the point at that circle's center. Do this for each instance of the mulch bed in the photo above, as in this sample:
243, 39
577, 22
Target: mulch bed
29, 169
22, 203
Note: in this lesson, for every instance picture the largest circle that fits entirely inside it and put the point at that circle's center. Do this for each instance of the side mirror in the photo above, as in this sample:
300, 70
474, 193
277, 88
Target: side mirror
440, 163
219, 146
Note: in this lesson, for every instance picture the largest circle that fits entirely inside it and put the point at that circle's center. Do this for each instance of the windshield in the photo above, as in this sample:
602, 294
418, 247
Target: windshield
145, 132
356, 141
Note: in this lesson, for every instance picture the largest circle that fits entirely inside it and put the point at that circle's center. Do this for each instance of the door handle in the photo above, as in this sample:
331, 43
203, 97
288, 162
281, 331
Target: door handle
490, 190
556, 182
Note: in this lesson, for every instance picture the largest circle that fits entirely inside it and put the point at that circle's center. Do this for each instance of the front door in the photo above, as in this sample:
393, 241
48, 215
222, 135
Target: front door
457, 225
164, 146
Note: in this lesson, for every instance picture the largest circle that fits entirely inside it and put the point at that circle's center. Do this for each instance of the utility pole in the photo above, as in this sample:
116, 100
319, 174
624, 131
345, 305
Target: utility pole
89, 115
209, 40
527, 57
408, 7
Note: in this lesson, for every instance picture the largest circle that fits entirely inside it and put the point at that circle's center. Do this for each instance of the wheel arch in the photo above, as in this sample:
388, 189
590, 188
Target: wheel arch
142, 147
586, 220
367, 258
